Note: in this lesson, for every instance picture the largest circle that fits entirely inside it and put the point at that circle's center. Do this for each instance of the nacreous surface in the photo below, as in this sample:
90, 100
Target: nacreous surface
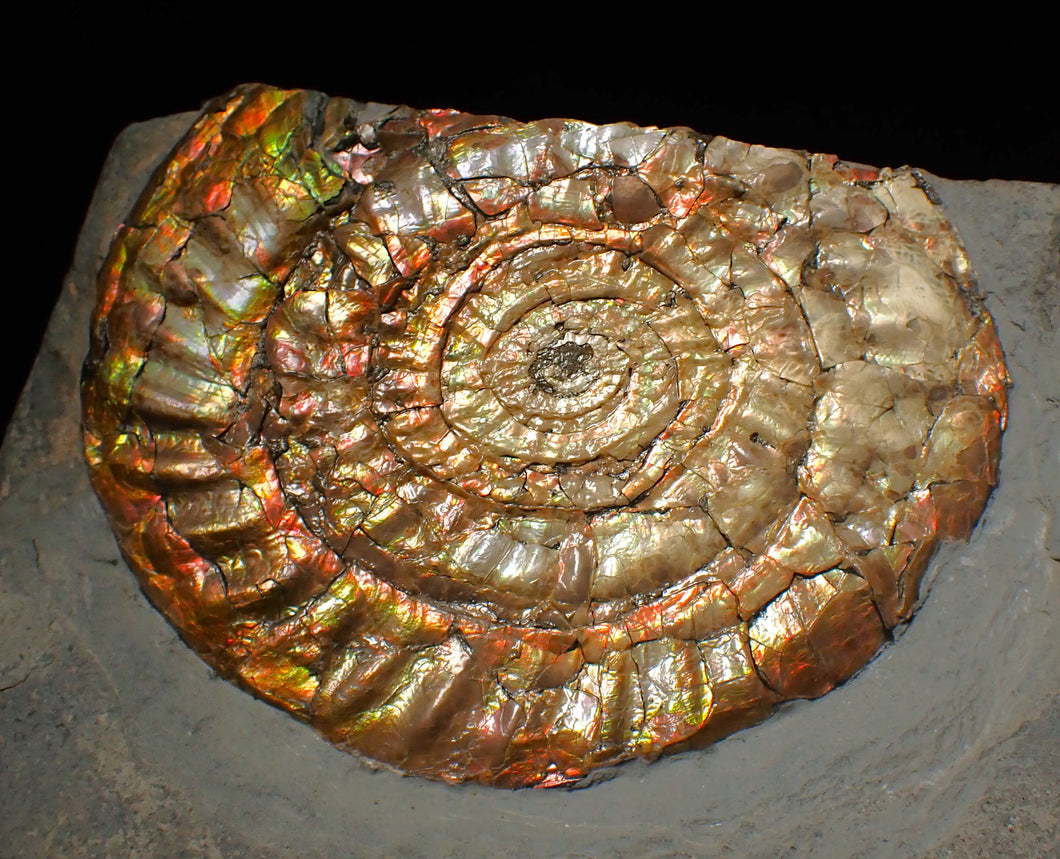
504, 451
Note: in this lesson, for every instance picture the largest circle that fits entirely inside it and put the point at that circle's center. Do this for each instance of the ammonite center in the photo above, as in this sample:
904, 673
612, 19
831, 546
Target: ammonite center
566, 367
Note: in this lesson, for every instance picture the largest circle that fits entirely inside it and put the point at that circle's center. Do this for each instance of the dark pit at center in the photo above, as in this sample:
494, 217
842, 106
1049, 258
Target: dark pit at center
564, 369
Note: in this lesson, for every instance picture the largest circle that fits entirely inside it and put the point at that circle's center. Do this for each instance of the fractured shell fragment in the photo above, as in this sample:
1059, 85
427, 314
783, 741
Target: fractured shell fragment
504, 451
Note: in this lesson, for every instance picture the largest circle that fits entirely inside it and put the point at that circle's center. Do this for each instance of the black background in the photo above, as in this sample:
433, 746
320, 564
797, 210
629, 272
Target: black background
885, 93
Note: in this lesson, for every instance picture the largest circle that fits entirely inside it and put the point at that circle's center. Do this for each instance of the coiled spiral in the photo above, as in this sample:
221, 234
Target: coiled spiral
504, 451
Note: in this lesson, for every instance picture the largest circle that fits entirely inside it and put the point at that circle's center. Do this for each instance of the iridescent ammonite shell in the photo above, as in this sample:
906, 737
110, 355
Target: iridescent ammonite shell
500, 452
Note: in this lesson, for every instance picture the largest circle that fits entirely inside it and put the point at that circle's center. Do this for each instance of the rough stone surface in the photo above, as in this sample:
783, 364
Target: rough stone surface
116, 740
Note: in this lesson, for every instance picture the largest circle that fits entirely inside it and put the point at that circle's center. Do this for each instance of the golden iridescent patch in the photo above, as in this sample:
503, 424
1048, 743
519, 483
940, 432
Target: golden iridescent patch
503, 451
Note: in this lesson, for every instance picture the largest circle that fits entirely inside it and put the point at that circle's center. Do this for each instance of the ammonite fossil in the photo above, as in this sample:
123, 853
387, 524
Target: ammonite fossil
504, 451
